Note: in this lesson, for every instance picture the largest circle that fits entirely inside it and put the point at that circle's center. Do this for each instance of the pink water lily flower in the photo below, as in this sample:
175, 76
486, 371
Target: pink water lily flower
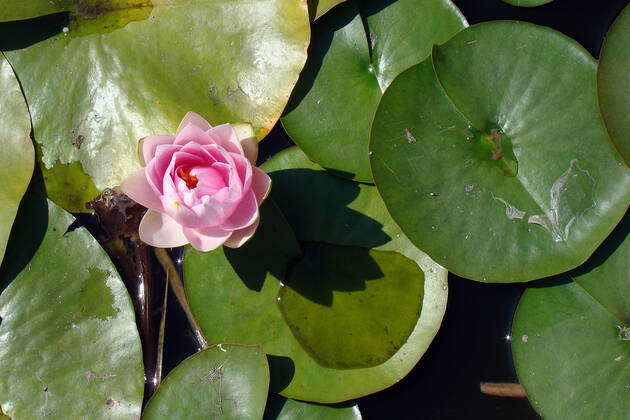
201, 187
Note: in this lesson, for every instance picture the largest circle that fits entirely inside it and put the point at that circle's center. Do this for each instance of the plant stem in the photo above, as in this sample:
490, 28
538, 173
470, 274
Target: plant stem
178, 288
160, 350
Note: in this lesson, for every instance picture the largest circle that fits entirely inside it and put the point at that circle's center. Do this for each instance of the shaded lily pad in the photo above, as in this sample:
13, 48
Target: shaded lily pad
116, 75
279, 408
16, 150
233, 293
351, 307
477, 174
226, 382
571, 337
355, 54
69, 329
613, 83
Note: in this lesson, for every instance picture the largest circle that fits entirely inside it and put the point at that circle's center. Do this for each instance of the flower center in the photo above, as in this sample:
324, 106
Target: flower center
191, 180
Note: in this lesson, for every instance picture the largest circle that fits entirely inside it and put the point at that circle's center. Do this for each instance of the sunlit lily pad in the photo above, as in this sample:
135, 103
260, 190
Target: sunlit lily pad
117, 74
70, 348
323, 6
498, 164
16, 150
613, 82
234, 293
350, 65
571, 337
279, 408
226, 382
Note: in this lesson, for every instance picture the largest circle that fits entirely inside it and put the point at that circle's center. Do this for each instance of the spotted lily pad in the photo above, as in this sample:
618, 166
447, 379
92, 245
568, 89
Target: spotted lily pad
475, 170
68, 329
571, 337
221, 382
613, 83
16, 150
234, 293
121, 71
355, 54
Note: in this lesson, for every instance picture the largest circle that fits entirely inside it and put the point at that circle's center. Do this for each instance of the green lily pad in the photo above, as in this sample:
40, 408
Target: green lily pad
221, 382
475, 170
354, 56
233, 293
121, 73
16, 150
19, 10
351, 307
68, 329
279, 408
527, 3
571, 338
613, 83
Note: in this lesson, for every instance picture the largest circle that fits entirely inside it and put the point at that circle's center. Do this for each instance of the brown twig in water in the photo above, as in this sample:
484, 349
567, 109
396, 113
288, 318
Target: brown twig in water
502, 389
178, 288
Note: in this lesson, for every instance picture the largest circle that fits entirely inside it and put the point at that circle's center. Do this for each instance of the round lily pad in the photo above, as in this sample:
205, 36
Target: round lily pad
118, 73
16, 150
355, 54
221, 382
234, 293
279, 408
613, 82
351, 307
571, 337
497, 164
68, 330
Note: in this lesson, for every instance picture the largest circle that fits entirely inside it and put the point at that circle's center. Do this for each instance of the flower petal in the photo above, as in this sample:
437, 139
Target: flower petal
194, 119
250, 149
150, 144
137, 187
192, 133
239, 237
206, 239
261, 184
244, 215
160, 230
225, 136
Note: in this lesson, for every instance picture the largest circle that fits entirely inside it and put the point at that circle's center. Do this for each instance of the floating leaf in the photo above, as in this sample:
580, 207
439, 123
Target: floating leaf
475, 170
570, 338
323, 6
350, 65
221, 382
16, 150
351, 307
68, 329
279, 408
613, 83
117, 74
233, 293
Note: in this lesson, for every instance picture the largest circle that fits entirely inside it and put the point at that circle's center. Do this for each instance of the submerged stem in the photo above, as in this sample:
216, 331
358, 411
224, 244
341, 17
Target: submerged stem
178, 288
159, 362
